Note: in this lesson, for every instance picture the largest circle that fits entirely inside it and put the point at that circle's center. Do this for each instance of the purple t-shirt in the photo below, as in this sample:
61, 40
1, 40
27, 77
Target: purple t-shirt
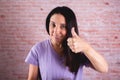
50, 63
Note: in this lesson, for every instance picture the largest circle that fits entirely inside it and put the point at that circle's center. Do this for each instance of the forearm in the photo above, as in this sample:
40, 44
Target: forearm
77, 45
97, 60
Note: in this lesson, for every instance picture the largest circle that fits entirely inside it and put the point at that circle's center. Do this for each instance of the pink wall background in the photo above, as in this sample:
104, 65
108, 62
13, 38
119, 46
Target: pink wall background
22, 24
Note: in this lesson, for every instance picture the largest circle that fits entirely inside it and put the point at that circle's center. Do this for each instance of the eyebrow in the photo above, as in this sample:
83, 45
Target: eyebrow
60, 24
52, 21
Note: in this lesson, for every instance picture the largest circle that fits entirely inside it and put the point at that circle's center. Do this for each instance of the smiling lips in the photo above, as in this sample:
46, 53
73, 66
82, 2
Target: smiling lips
57, 38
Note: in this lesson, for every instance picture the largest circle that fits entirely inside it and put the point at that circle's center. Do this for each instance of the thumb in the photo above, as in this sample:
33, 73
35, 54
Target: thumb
74, 34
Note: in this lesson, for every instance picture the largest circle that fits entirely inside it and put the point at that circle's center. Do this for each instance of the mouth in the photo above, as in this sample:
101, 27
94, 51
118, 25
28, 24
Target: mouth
58, 38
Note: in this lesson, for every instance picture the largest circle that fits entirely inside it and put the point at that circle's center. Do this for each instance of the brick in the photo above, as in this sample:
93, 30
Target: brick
22, 24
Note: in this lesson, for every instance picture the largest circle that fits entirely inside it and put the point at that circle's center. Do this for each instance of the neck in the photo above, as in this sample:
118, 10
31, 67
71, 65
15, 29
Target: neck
58, 48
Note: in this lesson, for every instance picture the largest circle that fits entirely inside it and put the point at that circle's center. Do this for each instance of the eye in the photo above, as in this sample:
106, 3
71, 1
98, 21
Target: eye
52, 24
63, 26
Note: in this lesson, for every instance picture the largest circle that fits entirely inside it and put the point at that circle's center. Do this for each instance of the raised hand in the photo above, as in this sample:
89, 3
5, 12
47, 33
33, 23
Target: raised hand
77, 44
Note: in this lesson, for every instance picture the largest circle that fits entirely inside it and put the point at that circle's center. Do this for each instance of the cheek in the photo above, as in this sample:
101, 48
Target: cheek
51, 31
64, 33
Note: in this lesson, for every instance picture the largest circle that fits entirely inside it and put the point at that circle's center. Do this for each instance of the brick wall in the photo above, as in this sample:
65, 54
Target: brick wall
22, 24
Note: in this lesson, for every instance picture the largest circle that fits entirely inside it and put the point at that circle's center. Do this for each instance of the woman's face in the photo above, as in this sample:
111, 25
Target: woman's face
57, 28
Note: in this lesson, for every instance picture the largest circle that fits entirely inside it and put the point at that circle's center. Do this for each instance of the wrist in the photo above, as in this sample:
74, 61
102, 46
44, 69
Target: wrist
88, 49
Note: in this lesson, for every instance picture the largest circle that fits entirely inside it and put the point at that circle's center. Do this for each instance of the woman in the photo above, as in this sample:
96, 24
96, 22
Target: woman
63, 56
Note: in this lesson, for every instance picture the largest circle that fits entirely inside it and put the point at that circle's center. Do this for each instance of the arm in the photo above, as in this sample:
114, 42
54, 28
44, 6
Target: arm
77, 44
33, 72
97, 61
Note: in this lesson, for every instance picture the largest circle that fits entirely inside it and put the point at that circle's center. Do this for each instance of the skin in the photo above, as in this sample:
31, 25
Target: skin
57, 33
77, 44
33, 72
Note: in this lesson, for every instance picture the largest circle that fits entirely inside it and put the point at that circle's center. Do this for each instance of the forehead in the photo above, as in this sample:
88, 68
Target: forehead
58, 18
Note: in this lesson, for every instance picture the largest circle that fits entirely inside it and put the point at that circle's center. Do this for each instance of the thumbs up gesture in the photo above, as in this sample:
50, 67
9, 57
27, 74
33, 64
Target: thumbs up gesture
77, 44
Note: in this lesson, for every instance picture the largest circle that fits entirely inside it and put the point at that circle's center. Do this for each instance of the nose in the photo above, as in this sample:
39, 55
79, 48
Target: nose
57, 29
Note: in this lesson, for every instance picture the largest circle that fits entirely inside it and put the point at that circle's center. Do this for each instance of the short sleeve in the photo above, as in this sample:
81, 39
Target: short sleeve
32, 57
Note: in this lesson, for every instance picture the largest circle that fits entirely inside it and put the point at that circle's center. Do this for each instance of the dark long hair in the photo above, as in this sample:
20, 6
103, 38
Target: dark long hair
73, 60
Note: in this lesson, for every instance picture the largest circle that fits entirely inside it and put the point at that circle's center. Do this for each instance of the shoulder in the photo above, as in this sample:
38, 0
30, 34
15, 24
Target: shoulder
39, 48
36, 52
41, 45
